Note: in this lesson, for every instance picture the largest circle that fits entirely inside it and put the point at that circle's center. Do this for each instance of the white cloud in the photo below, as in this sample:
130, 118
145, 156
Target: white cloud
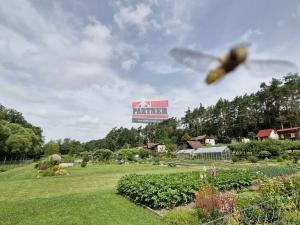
251, 34
128, 64
62, 70
137, 16
161, 68
86, 119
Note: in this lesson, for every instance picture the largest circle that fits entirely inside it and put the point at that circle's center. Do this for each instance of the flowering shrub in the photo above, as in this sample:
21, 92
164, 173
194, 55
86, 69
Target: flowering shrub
50, 168
211, 203
55, 159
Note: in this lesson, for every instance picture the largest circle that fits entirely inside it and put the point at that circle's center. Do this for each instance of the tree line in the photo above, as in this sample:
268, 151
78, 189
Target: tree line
275, 105
19, 139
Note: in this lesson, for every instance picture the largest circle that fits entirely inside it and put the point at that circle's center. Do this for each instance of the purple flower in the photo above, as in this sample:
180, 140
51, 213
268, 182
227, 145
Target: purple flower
213, 171
44, 166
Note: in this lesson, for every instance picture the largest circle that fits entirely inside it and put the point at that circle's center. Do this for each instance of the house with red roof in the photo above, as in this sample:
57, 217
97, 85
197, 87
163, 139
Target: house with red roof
267, 133
292, 133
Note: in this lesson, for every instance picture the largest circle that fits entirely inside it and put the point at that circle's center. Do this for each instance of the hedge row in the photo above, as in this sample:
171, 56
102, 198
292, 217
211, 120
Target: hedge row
274, 147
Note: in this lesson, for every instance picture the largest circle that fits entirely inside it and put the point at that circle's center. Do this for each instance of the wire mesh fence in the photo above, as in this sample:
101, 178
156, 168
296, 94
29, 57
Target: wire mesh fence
279, 210
14, 162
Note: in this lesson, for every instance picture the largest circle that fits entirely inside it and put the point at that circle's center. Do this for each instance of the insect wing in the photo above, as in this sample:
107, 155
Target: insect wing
270, 67
197, 61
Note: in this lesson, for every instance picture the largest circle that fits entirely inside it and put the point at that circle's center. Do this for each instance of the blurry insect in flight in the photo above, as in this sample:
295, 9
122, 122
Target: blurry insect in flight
229, 62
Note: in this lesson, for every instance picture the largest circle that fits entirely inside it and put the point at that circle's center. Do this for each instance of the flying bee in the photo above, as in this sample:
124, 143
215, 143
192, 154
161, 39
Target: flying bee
229, 62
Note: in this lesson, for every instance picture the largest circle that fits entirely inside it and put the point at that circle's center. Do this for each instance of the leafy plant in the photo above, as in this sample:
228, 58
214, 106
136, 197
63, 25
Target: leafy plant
253, 159
264, 154
160, 191
167, 191
83, 164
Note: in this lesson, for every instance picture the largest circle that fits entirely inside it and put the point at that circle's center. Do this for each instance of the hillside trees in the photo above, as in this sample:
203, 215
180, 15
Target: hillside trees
19, 142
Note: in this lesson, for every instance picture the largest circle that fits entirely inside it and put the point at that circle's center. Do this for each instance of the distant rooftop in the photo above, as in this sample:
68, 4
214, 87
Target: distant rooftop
264, 133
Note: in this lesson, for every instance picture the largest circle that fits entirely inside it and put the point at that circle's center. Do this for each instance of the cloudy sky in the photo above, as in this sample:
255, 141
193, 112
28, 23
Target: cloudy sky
74, 66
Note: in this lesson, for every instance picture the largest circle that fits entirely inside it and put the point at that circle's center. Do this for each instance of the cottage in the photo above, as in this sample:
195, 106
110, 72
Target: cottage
157, 147
292, 133
267, 133
204, 139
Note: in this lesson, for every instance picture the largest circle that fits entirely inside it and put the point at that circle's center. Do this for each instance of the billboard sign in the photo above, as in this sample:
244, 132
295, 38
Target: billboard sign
149, 111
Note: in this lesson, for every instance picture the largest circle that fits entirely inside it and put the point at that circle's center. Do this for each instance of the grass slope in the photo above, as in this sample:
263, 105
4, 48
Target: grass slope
87, 196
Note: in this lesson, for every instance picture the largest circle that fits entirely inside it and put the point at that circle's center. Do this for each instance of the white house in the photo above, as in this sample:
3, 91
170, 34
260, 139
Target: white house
267, 133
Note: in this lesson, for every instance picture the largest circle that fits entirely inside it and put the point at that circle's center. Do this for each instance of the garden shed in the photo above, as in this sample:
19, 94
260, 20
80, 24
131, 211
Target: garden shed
185, 153
212, 153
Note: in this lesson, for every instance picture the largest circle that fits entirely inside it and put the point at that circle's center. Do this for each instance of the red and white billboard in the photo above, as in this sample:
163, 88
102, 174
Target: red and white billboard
149, 111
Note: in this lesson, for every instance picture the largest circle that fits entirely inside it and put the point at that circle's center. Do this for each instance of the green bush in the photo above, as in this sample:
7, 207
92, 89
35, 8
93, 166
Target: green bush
144, 154
83, 164
264, 154
2, 170
253, 159
275, 147
234, 159
280, 159
102, 154
85, 158
67, 159
181, 217
127, 153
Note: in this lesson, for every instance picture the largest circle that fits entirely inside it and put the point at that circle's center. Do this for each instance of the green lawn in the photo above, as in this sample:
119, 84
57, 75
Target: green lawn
87, 196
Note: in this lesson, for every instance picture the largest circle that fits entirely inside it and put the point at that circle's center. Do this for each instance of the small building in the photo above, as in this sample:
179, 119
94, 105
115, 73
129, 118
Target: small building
267, 133
204, 140
185, 153
292, 133
213, 153
157, 147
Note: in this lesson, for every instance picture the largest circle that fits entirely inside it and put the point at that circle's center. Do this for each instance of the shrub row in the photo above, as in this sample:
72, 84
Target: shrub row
265, 148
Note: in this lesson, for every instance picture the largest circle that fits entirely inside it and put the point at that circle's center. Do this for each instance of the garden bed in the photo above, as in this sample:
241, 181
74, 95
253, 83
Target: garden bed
168, 191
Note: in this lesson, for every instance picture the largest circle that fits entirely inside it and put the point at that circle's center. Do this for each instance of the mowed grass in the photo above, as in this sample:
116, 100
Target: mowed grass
86, 196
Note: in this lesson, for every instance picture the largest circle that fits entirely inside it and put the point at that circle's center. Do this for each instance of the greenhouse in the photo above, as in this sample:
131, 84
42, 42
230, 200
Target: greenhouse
210, 153
185, 153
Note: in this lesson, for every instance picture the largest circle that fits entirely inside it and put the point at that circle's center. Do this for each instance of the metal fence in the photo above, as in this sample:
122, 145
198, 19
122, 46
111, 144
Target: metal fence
12, 163
280, 210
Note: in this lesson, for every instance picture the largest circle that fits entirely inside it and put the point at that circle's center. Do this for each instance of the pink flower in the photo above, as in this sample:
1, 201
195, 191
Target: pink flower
213, 171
